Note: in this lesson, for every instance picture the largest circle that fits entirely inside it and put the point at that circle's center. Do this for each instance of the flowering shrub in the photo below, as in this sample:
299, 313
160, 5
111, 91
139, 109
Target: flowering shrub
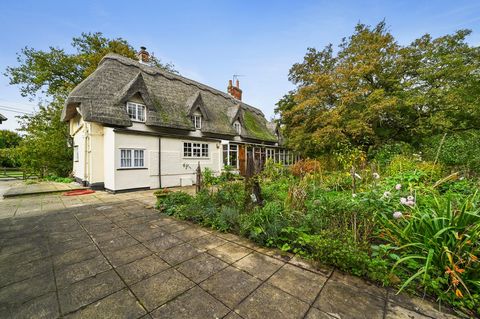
306, 166
438, 249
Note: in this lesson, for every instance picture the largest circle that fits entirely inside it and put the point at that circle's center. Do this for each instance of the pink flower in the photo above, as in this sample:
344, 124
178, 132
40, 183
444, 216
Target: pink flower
411, 198
398, 187
410, 203
403, 200
397, 215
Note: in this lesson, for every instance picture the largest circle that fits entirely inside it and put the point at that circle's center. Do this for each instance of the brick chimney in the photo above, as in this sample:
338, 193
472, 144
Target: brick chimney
143, 55
234, 90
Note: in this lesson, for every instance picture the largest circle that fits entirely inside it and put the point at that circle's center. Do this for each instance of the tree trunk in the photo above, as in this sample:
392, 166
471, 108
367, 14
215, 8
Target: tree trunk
198, 183
253, 192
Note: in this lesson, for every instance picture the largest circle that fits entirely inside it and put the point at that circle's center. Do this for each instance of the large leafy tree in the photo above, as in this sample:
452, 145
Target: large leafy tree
44, 149
51, 75
374, 90
8, 141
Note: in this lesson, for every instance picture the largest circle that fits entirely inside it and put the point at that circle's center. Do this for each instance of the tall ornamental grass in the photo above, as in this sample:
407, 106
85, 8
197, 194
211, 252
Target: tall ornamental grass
438, 247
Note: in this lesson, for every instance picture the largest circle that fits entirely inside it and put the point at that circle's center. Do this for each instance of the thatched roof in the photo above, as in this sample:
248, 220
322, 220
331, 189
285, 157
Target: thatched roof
170, 100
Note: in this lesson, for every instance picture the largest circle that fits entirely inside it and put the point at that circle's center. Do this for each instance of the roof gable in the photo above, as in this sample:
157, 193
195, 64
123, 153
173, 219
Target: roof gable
238, 116
195, 103
136, 86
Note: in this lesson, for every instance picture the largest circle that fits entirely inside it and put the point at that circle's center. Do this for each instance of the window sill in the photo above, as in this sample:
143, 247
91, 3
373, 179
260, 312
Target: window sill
195, 158
130, 168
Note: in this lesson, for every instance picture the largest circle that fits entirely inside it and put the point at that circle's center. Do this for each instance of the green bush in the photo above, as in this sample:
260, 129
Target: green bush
173, 203
384, 154
413, 169
264, 224
438, 248
58, 179
459, 150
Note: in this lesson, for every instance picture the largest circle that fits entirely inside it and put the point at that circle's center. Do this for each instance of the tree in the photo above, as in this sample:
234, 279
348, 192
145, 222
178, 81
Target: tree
44, 149
8, 141
52, 75
374, 90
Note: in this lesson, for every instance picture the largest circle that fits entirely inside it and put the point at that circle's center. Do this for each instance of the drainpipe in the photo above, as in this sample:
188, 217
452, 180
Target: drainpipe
85, 155
159, 162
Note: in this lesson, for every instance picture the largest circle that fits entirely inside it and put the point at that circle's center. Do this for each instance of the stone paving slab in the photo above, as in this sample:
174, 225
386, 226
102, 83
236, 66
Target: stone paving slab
113, 256
41, 188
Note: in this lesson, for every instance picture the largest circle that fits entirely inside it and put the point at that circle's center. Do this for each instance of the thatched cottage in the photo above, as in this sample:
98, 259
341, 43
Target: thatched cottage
135, 126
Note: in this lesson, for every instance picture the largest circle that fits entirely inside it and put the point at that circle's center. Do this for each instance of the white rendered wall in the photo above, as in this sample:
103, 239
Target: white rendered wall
136, 177
79, 165
77, 131
95, 153
108, 158
175, 167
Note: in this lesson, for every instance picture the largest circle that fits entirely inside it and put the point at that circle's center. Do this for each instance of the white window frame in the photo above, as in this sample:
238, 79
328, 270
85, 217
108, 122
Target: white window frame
270, 153
135, 158
229, 152
136, 115
238, 127
196, 150
76, 155
197, 121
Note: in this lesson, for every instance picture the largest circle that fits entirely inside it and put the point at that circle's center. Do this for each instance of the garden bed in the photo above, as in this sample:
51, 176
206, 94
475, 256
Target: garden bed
413, 226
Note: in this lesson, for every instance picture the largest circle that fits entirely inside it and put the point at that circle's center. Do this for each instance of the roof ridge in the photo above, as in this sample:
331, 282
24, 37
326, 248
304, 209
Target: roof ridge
152, 70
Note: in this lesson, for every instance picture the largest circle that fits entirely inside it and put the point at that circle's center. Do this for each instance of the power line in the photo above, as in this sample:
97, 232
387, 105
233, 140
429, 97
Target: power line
12, 102
12, 108
3, 108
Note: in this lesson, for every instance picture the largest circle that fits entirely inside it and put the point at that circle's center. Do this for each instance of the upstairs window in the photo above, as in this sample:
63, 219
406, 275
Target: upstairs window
197, 121
136, 111
238, 127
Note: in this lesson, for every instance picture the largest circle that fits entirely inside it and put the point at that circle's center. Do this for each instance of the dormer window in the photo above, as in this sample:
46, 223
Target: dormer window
136, 112
197, 121
237, 127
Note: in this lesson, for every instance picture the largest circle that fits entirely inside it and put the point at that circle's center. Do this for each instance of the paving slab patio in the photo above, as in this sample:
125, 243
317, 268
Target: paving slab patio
104, 255
24, 189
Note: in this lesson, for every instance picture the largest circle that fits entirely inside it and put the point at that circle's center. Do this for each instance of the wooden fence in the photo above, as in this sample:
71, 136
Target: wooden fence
14, 172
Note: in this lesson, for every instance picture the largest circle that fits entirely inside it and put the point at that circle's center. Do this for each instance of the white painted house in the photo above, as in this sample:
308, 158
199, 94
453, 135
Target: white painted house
135, 126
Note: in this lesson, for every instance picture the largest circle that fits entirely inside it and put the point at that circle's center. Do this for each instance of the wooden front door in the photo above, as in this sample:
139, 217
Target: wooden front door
241, 159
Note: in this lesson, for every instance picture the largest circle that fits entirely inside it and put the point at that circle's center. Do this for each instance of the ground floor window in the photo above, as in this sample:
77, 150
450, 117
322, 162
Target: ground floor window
76, 156
230, 155
130, 158
270, 153
195, 149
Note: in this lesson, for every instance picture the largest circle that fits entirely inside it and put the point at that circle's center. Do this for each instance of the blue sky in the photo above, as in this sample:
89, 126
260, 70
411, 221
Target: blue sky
210, 40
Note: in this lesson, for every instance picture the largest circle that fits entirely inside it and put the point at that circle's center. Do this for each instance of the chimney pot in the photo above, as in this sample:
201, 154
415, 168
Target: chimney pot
234, 90
143, 55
